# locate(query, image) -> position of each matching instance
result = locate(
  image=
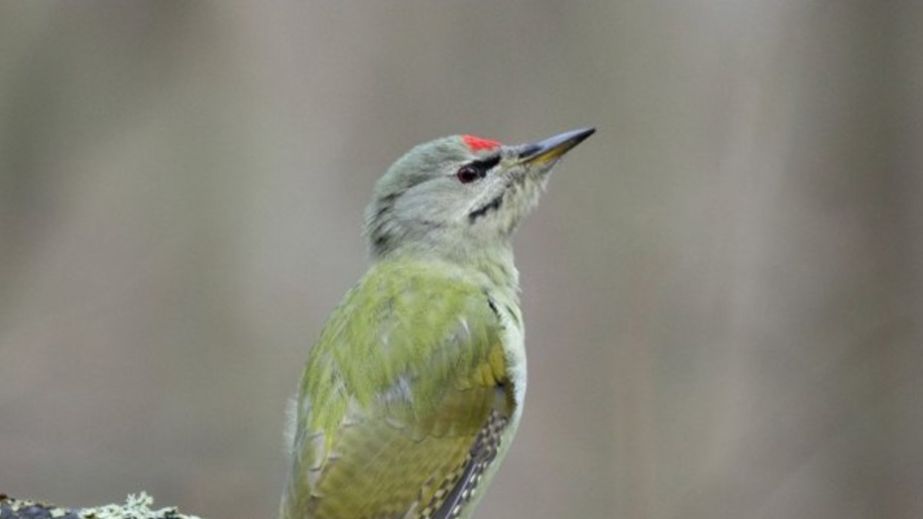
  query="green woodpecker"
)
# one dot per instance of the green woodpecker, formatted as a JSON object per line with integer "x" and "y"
{"x": 412, "y": 395}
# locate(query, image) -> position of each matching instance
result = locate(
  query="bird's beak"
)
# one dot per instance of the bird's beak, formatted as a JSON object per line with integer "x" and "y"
{"x": 551, "y": 149}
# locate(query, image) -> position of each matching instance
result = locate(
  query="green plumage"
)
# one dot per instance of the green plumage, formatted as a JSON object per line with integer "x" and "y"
{"x": 392, "y": 433}
{"x": 412, "y": 395}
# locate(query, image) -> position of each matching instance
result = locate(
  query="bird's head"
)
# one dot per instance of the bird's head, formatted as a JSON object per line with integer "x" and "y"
{"x": 460, "y": 193}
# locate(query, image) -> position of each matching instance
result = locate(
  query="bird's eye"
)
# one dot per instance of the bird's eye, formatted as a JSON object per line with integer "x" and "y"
{"x": 468, "y": 174}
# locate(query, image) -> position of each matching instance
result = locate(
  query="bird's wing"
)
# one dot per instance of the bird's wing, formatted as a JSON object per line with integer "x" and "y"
{"x": 408, "y": 395}
{"x": 482, "y": 454}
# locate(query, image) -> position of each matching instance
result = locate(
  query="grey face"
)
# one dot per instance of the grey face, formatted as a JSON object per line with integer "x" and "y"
{"x": 459, "y": 192}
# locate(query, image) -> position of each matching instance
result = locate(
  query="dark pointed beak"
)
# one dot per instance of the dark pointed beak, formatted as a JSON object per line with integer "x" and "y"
{"x": 553, "y": 148}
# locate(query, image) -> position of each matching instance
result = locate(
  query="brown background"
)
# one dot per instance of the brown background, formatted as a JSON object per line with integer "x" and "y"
{"x": 722, "y": 288}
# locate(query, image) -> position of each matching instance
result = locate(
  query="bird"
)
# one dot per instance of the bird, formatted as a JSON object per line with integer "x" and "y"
{"x": 412, "y": 394}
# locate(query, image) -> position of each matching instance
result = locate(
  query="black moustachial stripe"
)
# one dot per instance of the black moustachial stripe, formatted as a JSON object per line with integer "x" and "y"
{"x": 483, "y": 166}
{"x": 493, "y": 205}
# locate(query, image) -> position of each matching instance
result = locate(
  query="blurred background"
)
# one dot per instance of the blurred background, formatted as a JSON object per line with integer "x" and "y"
{"x": 722, "y": 288}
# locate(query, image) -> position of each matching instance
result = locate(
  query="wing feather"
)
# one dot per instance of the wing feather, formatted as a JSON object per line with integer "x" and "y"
{"x": 408, "y": 390}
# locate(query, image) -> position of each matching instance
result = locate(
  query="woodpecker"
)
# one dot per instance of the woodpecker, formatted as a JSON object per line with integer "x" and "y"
{"x": 412, "y": 395}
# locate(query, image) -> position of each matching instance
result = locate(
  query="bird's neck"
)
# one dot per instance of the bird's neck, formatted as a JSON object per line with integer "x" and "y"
{"x": 493, "y": 264}
{"x": 498, "y": 267}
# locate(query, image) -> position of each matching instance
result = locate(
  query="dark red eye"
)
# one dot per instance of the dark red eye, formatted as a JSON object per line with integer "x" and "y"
{"x": 468, "y": 174}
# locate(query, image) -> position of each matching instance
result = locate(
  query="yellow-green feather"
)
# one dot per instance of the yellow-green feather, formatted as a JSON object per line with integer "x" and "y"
{"x": 405, "y": 374}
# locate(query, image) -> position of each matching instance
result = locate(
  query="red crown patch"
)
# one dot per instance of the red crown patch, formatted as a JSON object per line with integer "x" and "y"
{"x": 479, "y": 143}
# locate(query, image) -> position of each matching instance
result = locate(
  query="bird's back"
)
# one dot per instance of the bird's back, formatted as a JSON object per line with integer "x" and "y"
{"x": 410, "y": 397}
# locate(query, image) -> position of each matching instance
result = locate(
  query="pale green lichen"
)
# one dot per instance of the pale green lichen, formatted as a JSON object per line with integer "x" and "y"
{"x": 135, "y": 507}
